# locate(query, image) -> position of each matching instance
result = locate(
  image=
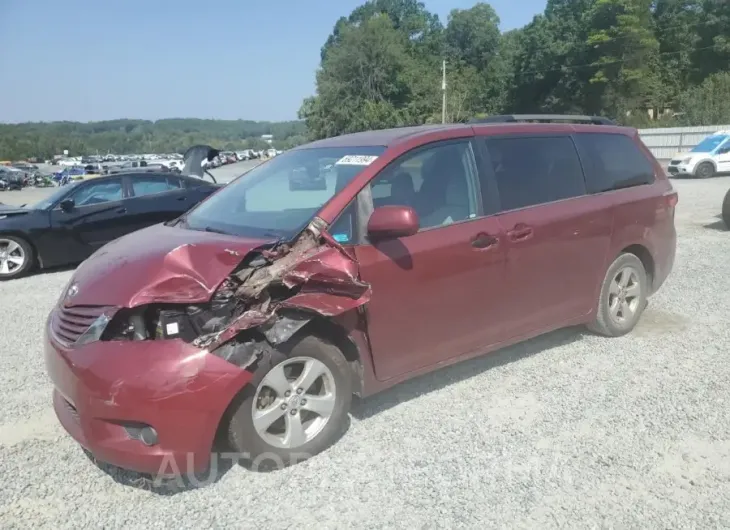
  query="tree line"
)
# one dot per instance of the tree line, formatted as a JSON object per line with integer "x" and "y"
{"x": 44, "y": 140}
{"x": 642, "y": 62}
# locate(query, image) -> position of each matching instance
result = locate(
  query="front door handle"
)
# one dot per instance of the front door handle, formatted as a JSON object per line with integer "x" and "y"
{"x": 182, "y": 198}
{"x": 520, "y": 232}
{"x": 122, "y": 210}
{"x": 484, "y": 240}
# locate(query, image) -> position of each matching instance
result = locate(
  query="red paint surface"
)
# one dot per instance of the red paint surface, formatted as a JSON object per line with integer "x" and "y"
{"x": 178, "y": 389}
{"x": 393, "y": 221}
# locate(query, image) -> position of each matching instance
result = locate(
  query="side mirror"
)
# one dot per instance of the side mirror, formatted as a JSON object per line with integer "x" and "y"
{"x": 67, "y": 205}
{"x": 392, "y": 222}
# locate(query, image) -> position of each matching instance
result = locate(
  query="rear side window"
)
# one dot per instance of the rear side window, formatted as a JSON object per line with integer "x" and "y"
{"x": 535, "y": 170}
{"x": 612, "y": 162}
{"x": 150, "y": 185}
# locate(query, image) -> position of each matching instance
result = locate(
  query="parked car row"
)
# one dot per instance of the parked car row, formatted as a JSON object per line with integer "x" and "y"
{"x": 229, "y": 157}
{"x": 15, "y": 178}
{"x": 344, "y": 267}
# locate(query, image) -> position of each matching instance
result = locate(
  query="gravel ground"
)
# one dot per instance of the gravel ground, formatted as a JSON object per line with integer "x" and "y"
{"x": 566, "y": 430}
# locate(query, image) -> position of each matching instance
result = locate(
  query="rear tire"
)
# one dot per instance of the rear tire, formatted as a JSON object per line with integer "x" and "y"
{"x": 623, "y": 297}
{"x": 16, "y": 257}
{"x": 726, "y": 210}
{"x": 298, "y": 432}
{"x": 705, "y": 170}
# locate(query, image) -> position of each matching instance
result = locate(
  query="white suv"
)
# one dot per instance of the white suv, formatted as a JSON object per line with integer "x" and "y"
{"x": 710, "y": 156}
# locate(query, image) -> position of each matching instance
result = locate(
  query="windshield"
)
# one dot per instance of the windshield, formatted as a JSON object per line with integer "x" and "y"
{"x": 709, "y": 144}
{"x": 280, "y": 197}
{"x": 53, "y": 197}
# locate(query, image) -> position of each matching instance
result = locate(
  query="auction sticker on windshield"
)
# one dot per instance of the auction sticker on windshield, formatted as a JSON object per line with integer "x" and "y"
{"x": 356, "y": 160}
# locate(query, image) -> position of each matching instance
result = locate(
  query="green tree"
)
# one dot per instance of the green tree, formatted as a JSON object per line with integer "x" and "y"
{"x": 713, "y": 47}
{"x": 676, "y": 25}
{"x": 471, "y": 46}
{"x": 421, "y": 28}
{"x": 362, "y": 82}
{"x": 708, "y": 103}
{"x": 472, "y": 35}
{"x": 624, "y": 51}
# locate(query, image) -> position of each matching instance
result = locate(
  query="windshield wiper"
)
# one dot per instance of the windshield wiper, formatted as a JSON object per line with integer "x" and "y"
{"x": 175, "y": 222}
{"x": 278, "y": 235}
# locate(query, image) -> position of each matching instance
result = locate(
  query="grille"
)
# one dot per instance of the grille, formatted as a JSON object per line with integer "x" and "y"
{"x": 69, "y": 323}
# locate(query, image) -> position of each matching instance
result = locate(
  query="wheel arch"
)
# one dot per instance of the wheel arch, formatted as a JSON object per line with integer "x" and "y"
{"x": 647, "y": 260}
{"x": 336, "y": 334}
{"x": 324, "y": 329}
{"x": 706, "y": 161}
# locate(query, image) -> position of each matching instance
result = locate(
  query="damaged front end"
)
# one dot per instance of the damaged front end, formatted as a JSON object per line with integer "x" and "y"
{"x": 274, "y": 292}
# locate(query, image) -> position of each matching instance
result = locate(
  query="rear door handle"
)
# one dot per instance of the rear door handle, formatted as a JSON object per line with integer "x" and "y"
{"x": 520, "y": 233}
{"x": 182, "y": 198}
{"x": 122, "y": 210}
{"x": 484, "y": 240}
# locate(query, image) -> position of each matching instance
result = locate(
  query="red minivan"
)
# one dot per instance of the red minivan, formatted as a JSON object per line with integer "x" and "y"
{"x": 345, "y": 266}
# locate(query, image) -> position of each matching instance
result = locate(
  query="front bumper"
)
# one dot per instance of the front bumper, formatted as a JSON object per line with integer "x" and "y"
{"x": 681, "y": 169}
{"x": 103, "y": 388}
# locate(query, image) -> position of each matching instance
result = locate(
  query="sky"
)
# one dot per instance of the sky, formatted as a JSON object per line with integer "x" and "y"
{"x": 89, "y": 60}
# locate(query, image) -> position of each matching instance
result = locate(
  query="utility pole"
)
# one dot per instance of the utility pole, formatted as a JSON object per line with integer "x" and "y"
{"x": 443, "y": 91}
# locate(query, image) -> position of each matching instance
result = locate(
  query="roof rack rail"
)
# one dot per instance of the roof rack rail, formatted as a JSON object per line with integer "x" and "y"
{"x": 544, "y": 118}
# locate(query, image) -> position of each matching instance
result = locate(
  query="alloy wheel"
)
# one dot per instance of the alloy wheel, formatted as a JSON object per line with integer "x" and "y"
{"x": 624, "y": 295}
{"x": 294, "y": 402}
{"x": 12, "y": 257}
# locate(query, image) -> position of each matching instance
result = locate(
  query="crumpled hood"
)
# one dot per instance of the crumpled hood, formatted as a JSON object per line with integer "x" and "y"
{"x": 159, "y": 264}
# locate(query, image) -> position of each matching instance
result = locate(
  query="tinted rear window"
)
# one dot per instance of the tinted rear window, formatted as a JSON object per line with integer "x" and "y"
{"x": 535, "y": 170}
{"x": 613, "y": 161}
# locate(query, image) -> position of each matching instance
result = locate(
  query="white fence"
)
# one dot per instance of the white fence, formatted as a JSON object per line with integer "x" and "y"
{"x": 665, "y": 143}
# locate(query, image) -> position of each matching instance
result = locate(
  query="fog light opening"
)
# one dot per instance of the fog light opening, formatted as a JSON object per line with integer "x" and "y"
{"x": 144, "y": 433}
{"x": 148, "y": 436}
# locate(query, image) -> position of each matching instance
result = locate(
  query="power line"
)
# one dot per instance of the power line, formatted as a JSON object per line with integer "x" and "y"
{"x": 665, "y": 28}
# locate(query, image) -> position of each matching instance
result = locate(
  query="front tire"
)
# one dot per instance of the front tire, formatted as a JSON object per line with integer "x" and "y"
{"x": 705, "y": 170}
{"x": 295, "y": 407}
{"x": 16, "y": 257}
{"x": 623, "y": 297}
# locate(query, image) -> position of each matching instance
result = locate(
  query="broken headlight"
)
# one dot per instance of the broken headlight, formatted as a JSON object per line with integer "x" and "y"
{"x": 95, "y": 330}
